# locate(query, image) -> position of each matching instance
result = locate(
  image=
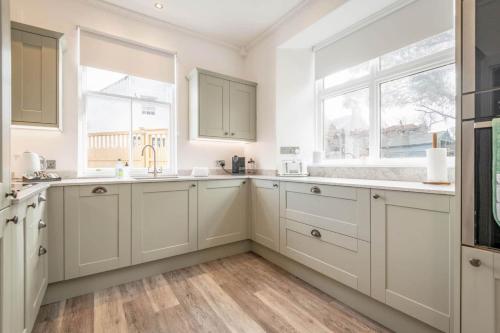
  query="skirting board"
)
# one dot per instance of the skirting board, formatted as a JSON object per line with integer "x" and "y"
{"x": 381, "y": 313}
{"x": 88, "y": 284}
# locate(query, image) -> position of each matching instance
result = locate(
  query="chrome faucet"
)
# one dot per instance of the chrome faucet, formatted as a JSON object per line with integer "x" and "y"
{"x": 155, "y": 171}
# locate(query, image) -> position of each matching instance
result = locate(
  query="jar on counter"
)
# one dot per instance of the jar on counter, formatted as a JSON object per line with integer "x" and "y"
{"x": 251, "y": 167}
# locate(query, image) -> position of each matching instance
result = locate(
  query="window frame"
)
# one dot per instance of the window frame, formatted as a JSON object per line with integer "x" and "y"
{"x": 373, "y": 81}
{"x": 83, "y": 169}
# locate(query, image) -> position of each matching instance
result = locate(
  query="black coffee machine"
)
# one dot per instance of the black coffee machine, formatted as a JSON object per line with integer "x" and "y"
{"x": 238, "y": 165}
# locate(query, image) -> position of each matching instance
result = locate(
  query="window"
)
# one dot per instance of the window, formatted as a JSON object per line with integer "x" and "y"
{"x": 387, "y": 108}
{"x": 123, "y": 114}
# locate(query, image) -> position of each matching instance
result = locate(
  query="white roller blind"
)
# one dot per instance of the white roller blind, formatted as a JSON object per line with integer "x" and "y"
{"x": 416, "y": 21}
{"x": 115, "y": 55}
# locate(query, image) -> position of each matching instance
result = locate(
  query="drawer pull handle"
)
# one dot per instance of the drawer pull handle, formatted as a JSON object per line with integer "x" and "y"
{"x": 14, "y": 220}
{"x": 315, "y": 233}
{"x": 315, "y": 189}
{"x": 226, "y": 133}
{"x": 232, "y": 134}
{"x": 376, "y": 196}
{"x": 244, "y": 182}
{"x": 193, "y": 185}
{"x": 12, "y": 194}
{"x": 99, "y": 190}
{"x": 275, "y": 185}
{"x": 32, "y": 205}
{"x": 475, "y": 262}
{"x": 41, "y": 198}
{"x": 42, "y": 251}
{"x": 41, "y": 225}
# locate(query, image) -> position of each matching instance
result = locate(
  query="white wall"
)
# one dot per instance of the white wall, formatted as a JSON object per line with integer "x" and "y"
{"x": 261, "y": 66}
{"x": 64, "y": 16}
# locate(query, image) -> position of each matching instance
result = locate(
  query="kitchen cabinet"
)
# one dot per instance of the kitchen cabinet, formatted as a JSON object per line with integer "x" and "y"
{"x": 411, "y": 254}
{"x": 265, "y": 213}
{"x": 12, "y": 270}
{"x": 35, "y": 73}
{"x": 480, "y": 291}
{"x": 5, "y": 104}
{"x": 164, "y": 220}
{"x": 222, "y": 212}
{"x": 221, "y": 107}
{"x": 36, "y": 256}
{"x": 344, "y": 210}
{"x": 97, "y": 228}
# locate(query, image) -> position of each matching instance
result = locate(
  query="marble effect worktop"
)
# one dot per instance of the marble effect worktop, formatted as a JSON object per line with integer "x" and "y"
{"x": 364, "y": 183}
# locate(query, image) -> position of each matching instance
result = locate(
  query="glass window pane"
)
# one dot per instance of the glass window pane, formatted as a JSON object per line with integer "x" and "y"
{"x": 346, "y": 125}
{"x": 151, "y": 125}
{"x": 108, "y": 126}
{"x": 415, "y": 106}
{"x": 346, "y": 75}
{"x": 419, "y": 49}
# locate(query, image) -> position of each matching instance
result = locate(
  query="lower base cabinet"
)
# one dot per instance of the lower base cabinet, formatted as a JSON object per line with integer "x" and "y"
{"x": 164, "y": 220}
{"x": 480, "y": 291}
{"x": 340, "y": 257}
{"x": 97, "y": 229}
{"x": 265, "y": 226}
{"x": 11, "y": 271}
{"x": 222, "y": 212}
{"x": 411, "y": 254}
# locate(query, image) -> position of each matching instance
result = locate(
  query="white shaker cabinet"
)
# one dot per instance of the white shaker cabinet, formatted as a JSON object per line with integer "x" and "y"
{"x": 265, "y": 213}
{"x": 97, "y": 228}
{"x": 5, "y": 104}
{"x": 36, "y": 255}
{"x": 480, "y": 291}
{"x": 164, "y": 220}
{"x": 411, "y": 254}
{"x": 222, "y": 212}
{"x": 12, "y": 270}
{"x": 221, "y": 107}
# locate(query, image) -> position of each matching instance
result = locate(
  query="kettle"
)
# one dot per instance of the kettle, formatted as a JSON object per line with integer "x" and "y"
{"x": 32, "y": 163}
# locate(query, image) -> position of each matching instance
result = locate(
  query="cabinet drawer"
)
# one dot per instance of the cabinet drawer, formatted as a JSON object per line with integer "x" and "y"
{"x": 340, "y": 257}
{"x": 343, "y": 210}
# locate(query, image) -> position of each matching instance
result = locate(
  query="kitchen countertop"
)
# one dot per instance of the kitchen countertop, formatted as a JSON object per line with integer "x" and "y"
{"x": 366, "y": 183}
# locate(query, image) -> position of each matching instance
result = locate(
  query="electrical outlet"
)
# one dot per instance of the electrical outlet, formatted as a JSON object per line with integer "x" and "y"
{"x": 220, "y": 163}
{"x": 51, "y": 164}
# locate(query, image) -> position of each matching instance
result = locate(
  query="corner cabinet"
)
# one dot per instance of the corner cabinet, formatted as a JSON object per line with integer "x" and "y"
{"x": 97, "y": 228}
{"x": 222, "y": 212}
{"x": 411, "y": 252}
{"x": 221, "y": 107}
{"x": 35, "y": 76}
{"x": 164, "y": 220}
{"x": 266, "y": 213}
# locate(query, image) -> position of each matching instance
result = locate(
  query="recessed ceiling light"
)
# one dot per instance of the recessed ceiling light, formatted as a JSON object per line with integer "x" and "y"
{"x": 159, "y": 5}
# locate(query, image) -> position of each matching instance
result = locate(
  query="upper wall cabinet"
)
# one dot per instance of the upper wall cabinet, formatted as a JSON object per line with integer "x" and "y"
{"x": 35, "y": 72}
{"x": 221, "y": 107}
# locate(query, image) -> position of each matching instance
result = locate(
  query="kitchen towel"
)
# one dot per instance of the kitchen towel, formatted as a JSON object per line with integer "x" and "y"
{"x": 495, "y": 138}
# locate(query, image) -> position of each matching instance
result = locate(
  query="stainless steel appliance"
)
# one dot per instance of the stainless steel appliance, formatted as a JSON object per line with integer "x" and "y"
{"x": 238, "y": 165}
{"x": 480, "y": 104}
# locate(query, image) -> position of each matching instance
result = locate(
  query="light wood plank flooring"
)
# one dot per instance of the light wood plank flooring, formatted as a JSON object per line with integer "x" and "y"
{"x": 242, "y": 293}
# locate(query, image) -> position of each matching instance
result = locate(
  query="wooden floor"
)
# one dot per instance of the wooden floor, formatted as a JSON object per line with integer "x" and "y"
{"x": 242, "y": 293}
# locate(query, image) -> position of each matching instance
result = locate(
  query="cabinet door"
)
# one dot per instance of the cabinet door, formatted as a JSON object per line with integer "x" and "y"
{"x": 222, "y": 212}
{"x": 5, "y": 102}
{"x": 34, "y": 78}
{"x": 12, "y": 272}
{"x": 411, "y": 254}
{"x": 213, "y": 106}
{"x": 480, "y": 291}
{"x": 266, "y": 209}
{"x": 164, "y": 220}
{"x": 97, "y": 229}
{"x": 242, "y": 111}
{"x": 36, "y": 262}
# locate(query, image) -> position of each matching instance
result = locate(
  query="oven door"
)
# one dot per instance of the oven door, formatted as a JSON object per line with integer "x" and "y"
{"x": 478, "y": 225}
{"x": 481, "y": 49}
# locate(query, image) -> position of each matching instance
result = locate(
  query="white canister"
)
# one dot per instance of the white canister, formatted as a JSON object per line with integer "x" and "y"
{"x": 437, "y": 167}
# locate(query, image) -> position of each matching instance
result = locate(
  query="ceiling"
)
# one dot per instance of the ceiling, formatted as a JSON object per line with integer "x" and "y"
{"x": 238, "y": 23}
